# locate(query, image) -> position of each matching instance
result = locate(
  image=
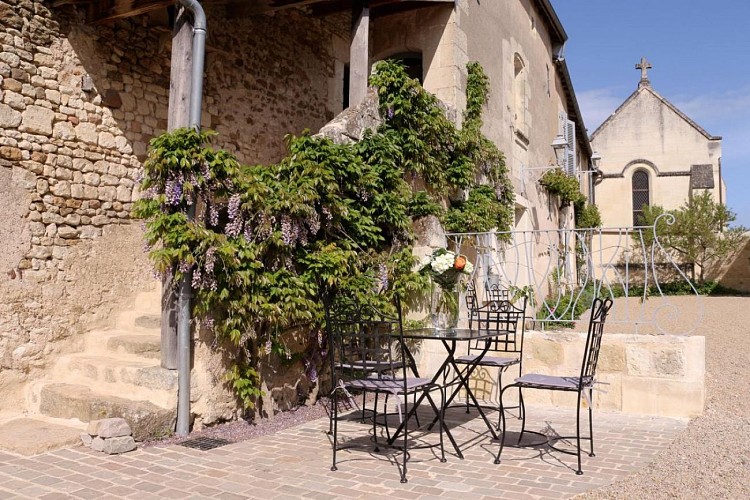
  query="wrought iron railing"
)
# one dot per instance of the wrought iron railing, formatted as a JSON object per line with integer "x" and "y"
{"x": 562, "y": 271}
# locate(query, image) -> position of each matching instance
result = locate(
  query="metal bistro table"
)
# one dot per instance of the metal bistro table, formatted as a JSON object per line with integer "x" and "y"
{"x": 450, "y": 338}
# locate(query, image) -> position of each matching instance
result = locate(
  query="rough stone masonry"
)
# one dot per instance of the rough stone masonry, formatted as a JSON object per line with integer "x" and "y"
{"x": 78, "y": 105}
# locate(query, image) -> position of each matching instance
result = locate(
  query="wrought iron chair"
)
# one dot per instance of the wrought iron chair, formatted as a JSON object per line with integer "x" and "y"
{"x": 583, "y": 384}
{"x": 367, "y": 353}
{"x": 505, "y": 349}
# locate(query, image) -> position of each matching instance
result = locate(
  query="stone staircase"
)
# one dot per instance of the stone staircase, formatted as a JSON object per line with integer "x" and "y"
{"x": 117, "y": 373}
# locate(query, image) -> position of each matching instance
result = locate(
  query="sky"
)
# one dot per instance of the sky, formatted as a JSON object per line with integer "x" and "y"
{"x": 700, "y": 52}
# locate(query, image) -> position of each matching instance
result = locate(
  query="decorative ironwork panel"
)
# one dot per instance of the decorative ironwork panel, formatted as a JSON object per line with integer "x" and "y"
{"x": 562, "y": 271}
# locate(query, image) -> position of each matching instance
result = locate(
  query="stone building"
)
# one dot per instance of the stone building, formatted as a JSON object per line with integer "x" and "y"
{"x": 652, "y": 154}
{"x": 84, "y": 86}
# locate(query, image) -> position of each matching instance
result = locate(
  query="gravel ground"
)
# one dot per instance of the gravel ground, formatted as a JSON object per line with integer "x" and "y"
{"x": 711, "y": 458}
{"x": 243, "y": 430}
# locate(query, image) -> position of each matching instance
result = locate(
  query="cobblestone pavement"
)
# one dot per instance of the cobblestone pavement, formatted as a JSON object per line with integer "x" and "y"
{"x": 295, "y": 463}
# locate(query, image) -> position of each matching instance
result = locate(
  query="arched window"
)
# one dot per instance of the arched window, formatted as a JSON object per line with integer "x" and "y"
{"x": 641, "y": 196}
{"x": 520, "y": 104}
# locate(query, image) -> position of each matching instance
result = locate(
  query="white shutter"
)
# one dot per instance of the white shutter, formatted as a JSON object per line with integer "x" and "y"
{"x": 570, "y": 150}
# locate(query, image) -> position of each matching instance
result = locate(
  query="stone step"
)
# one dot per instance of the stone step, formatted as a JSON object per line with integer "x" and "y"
{"x": 140, "y": 378}
{"x": 33, "y": 435}
{"x": 148, "y": 302}
{"x": 148, "y": 346}
{"x": 126, "y": 344}
{"x": 137, "y": 321}
{"x": 146, "y": 419}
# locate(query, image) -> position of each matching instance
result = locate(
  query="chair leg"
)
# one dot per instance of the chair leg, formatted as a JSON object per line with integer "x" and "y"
{"x": 364, "y": 396}
{"x": 406, "y": 440}
{"x": 416, "y": 415}
{"x": 330, "y": 419}
{"x": 578, "y": 434}
{"x": 523, "y": 413}
{"x": 375, "y": 420}
{"x": 499, "y": 391}
{"x": 591, "y": 421}
{"x": 334, "y": 424}
{"x": 502, "y": 427}
{"x": 385, "y": 416}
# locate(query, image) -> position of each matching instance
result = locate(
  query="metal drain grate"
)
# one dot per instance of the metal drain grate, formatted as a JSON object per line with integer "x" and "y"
{"x": 204, "y": 443}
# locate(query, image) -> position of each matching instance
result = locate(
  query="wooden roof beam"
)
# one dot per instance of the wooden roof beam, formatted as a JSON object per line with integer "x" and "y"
{"x": 106, "y": 11}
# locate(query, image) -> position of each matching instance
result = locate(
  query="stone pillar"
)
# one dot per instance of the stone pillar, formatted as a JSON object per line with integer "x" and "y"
{"x": 359, "y": 53}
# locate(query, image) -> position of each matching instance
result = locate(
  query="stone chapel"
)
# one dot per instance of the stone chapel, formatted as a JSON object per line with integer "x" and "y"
{"x": 652, "y": 154}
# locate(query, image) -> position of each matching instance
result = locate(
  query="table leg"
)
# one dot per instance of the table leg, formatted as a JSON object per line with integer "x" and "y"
{"x": 451, "y": 351}
{"x": 463, "y": 381}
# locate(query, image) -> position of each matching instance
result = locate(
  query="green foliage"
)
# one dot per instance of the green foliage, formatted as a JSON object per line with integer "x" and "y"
{"x": 477, "y": 90}
{"x": 481, "y": 212}
{"x": 415, "y": 120}
{"x": 556, "y": 181}
{"x": 445, "y": 157}
{"x": 700, "y": 233}
{"x": 261, "y": 242}
{"x": 677, "y": 288}
{"x": 586, "y": 215}
{"x": 567, "y": 307}
{"x": 423, "y": 204}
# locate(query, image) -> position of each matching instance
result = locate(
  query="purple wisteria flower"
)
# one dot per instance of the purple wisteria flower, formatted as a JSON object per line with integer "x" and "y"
{"x": 382, "y": 282}
{"x": 196, "y": 283}
{"x": 313, "y": 222}
{"x": 233, "y": 209}
{"x": 389, "y": 114}
{"x": 173, "y": 191}
{"x": 205, "y": 171}
{"x": 213, "y": 215}
{"x": 288, "y": 230}
{"x": 210, "y": 261}
{"x": 247, "y": 233}
{"x": 234, "y": 228}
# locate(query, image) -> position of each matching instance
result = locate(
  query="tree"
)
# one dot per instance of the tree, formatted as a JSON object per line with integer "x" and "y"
{"x": 700, "y": 233}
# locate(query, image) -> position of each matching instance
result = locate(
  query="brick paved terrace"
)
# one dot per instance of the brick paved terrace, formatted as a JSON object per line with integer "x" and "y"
{"x": 295, "y": 463}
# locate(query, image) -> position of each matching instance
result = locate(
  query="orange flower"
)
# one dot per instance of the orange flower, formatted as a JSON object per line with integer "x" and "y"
{"x": 459, "y": 263}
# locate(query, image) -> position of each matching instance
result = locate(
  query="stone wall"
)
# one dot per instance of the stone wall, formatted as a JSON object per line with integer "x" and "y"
{"x": 78, "y": 105}
{"x": 733, "y": 272}
{"x": 74, "y": 110}
{"x": 644, "y": 374}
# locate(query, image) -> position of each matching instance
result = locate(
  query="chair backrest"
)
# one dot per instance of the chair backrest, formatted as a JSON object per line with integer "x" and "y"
{"x": 504, "y": 317}
{"x": 496, "y": 291}
{"x": 472, "y": 302}
{"x": 599, "y": 311}
{"x": 362, "y": 341}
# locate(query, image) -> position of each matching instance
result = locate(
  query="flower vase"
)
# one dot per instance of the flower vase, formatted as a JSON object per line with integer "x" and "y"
{"x": 444, "y": 307}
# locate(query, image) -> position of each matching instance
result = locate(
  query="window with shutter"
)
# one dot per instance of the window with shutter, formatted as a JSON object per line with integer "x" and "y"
{"x": 570, "y": 150}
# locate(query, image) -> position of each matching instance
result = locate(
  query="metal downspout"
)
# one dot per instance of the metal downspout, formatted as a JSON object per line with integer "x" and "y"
{"x": 184, "y": 340}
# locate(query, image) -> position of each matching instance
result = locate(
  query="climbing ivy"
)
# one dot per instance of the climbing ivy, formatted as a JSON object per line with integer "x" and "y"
{"x": 266, "y": 239}
{"x": 557, "y": 182}
{"x": 587, "y": 215}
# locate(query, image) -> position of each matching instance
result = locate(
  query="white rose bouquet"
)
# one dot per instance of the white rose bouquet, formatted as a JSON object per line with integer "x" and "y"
{"x": 445, "y": 268}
